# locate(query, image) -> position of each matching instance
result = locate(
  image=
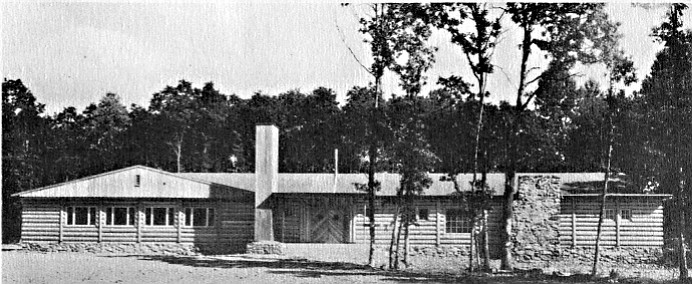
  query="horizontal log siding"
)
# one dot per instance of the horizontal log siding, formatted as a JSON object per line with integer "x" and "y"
{"x": 237, "y": 223}
{"x": 644, "y": 229}
{"x": 233, "y": 224}
{"x": 425, "y": 233}
{"x": 40, "y": 222}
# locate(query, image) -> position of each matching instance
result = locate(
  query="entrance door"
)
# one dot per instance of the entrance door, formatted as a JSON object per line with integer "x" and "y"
{"x": 327, "y": 225}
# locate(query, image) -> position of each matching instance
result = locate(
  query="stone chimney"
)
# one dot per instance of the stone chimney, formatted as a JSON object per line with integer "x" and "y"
{"x": 266, "y": 178}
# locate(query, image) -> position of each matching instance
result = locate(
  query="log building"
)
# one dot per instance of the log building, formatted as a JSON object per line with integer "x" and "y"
{"x": 144, "y": 205}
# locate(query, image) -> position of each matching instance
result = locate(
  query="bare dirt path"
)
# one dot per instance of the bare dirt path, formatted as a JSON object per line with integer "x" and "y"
{"x": 32, "y": 267}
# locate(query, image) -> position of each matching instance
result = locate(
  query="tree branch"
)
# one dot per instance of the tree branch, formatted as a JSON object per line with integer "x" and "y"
{"x": 533, "y": 80}
{"x": 343, "y": 39}
{"x": 506, "y": 76}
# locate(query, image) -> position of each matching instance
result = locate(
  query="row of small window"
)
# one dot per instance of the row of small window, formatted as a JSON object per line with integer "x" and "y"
{"x": 456, "y": 221}
{"x": 153, "y": 216}
{"x": 625, "y": 214}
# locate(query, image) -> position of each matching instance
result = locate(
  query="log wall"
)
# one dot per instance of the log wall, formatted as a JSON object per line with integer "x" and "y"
{"x": 426, "y": 232}
{"x": 579, "y": 222}
{"x": 46, "y": 221}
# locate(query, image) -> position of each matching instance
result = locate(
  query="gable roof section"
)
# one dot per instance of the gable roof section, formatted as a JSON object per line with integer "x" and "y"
{"x": 161, "y": 184}
{"x": 326, "y": 183}
{"x": 245, "y": 181}
{"x": 122, "y": 184}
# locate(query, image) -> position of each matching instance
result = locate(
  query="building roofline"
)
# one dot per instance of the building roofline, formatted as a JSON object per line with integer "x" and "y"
{"x": 19, "y": 194}
{"x": 617, "y": 195}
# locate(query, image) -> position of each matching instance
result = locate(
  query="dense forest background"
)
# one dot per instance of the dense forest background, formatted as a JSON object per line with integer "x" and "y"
{"x": 556, "y": 125}
{"x": 189, "y": 129}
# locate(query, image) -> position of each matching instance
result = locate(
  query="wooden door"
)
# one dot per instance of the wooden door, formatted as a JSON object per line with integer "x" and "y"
{"x": 328, "y": 225}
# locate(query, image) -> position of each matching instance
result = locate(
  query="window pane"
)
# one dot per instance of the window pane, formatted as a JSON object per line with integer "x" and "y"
{"x": 171, "y": 216}
{"x": 200, "y": 217}
{"x": 188, "y": 216}
{"x": 610, "y": 214}
{"x": 626, "y": 214}
{"x": 81, "y": 216}
{"x": 120, "y": 216}
{"x": 147, "y": 216}
{"x": 131, "y": 218}
{"x": 423, "y": 214}
{"x": 457, "y": 222}
{"x": 109, "y": 216}
{"x": 70, "y": 217}
{"x": 211, "y": 217}
{"x": 92, "y": 215}
{"x": 159, "y": 216}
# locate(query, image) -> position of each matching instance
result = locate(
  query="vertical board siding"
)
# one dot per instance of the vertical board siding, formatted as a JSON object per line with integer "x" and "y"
{"x": 644, "y": 229}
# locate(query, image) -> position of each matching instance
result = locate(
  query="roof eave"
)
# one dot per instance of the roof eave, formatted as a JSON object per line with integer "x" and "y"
{"x": 617, "y": 195}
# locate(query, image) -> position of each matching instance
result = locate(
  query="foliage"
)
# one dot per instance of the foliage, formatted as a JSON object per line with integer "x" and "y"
{"x": 23, "y": 133}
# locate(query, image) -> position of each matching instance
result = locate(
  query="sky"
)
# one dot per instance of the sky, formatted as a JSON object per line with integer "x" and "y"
{"x": 72, "y": 54}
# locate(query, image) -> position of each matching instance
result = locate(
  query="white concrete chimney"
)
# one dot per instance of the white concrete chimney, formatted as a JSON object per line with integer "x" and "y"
{"x": 266, "y": 178}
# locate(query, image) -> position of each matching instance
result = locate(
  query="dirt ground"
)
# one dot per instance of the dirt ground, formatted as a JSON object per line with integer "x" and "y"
{"x": 33, "y": 267}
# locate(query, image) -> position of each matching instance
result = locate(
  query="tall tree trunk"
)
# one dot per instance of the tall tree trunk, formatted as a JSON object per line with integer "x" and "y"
{"x": 372, "y": 153}
{"x": 371, "y": 201}
{"x": 511, "y": 171}
{"x": 398, "y": 242}
{"x": 682, "y": 248}
{"x": 178, "y": 149}
{"x": 179, "y": 157}
{"x": 486, "y": 247}
{"x": 684, "y": 271}
{"x": 594, "y": 269}
{"x": 508, "y": 211}
{"x": 472, "y": 244}
{"x": 393, "y": 240}
{"x": 407, "y": 225}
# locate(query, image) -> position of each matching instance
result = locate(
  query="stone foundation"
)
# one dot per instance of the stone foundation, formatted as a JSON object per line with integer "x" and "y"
{"x": 529, "y": 254}
{"x": 622, "y": 255}
{"x": 441, "y": 251}
{"x": 118, "y": 248}
{"x": 266, "y": 248}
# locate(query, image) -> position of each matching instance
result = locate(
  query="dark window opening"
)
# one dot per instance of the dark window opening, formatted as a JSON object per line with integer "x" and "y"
{"x": 160, "y": 216}
{"x": 81, "y": 215}
{"x": 120, "y": 216}
{"x": 457, "y": 222}
{"x": 626, "y": 214}
{"x": 423, "y": 214}
{"x": 609, "y": 214}
{"x": 199, "y": 217}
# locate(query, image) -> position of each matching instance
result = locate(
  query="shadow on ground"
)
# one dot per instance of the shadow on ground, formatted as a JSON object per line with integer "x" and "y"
{"x": 304, "y": 268}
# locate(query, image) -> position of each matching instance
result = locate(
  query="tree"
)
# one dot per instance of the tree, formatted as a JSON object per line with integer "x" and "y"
{"x": 174, "y": 109}
{"x": 412, "y": 158}
{"x": 394, "y": 31}
{"x": 478, "y": 47}
{"x": 67, "y": 146}
{"x": 23, "y": 133}
{"x": 666, "y": 100}
{"x": 104, "y": 124}
{"x": 567, "y": 33}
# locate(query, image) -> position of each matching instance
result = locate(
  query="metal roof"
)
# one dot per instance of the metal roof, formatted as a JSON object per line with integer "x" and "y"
{"x": 122, "y": 183}
{"x": 161, "y": 184}
{"x": 325, "y": 183}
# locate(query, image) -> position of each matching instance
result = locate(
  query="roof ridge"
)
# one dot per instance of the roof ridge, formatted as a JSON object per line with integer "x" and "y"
{"x": 159, "y": 171}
